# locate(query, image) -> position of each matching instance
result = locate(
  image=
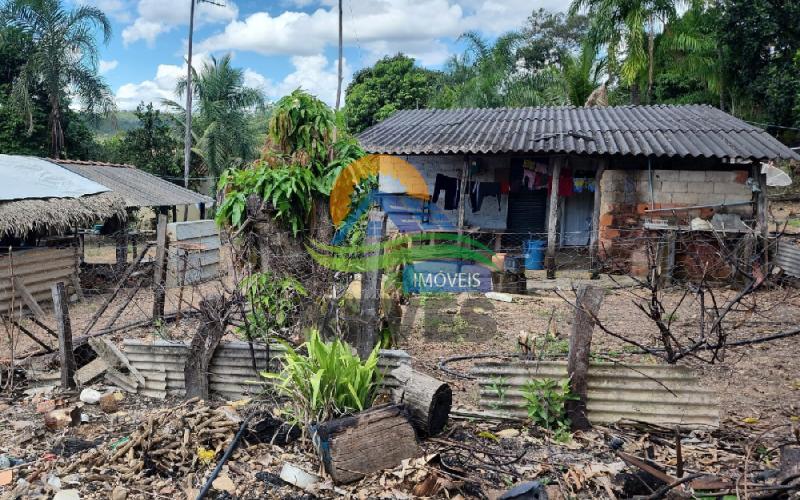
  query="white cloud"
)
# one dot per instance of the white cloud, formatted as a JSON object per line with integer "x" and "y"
{"x": 314, "y": 74}
{"x": 104, "y": 67}
{"x": 159, "y": 16}
{"x": 162, "y": 86}
{"x": 118, "y": 10}
{"x": 386, "y": 26}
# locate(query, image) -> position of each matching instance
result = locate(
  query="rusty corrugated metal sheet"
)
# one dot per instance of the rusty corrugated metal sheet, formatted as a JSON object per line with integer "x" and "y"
{"x": 137, "y": 187}
{"x": 231, "y": 372}
{"x": 656, "y": 131}
{"x": 658, "y": 394}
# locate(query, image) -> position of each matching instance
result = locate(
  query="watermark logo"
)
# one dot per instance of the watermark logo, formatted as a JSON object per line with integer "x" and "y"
{"x": 427, "y": 246}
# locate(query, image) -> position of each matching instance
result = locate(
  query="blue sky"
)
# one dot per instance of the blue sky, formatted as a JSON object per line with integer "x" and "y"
{"x": 285, "y": 44}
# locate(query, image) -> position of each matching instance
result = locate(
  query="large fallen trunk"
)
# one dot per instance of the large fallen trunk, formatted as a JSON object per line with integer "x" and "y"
{"x": 427, "y": 399}
{"x": 375, "y": 439}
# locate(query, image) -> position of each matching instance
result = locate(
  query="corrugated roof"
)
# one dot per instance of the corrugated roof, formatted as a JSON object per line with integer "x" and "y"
{"x": 658, "y": 131}
{"x": 137, "y": 187}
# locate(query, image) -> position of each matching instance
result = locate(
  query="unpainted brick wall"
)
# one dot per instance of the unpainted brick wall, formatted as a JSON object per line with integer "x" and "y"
{"x": 626, "y": 194}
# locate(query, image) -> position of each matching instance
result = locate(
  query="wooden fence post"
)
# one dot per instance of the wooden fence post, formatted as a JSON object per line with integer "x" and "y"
{"x": 588, "y": 300}
{"x": 552, "y": 219}
{"x": 159, "y": 273}
{"x": 371, "y": 287}
{"x": 64, "y": 335}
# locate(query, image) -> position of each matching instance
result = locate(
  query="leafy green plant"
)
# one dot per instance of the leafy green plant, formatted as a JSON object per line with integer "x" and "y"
{"x": 286, "y": 189}
{"x": 273, "y": 299}
{"x": 326, "y": 382}
{"x": 546, "y": 401}
{"x": 499, "y": 386}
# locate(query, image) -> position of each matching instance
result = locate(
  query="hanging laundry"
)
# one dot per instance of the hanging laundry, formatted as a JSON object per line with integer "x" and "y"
{"x": 528, "y": 179}
{"x": 540, "y": 168}
{"x": 579, "y": 184}
{"x": 502, "y": 175}
{"x": 450, "y": 186}
{"x": 591, "y": 185}
{"x": 564, "y": 183}
{"x": 480, "y": 190}
{"x": 541, "y": 181}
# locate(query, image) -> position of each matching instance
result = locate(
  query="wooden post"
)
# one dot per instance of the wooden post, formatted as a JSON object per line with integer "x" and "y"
{"x": 552, "y": 220}
{"x": 371, "y": 287}
{"x": 462, "y": 194}
{"x": 762, "y": 211}
{"x": 159, "y": 272}
{"x": 588, "y": 300}
{"x": 594, "y": 243}
{"x": 122, "y": 248}
{"x": 64, "y": 335}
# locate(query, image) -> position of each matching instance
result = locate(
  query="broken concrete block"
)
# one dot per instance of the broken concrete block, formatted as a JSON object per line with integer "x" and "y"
{"x": 119, "y": 368}
{"x": 91, "y": 371}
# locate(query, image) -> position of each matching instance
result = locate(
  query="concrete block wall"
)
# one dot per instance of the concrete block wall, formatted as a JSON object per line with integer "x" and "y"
{"x": 626, "y": 194}
{"x": 489, "y": 216}
{"x": 199, "y": 259}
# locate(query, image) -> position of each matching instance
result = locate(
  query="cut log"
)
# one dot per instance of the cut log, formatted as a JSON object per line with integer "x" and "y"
{"x": 375, "y": 439}
{"x": 427, "y": 399}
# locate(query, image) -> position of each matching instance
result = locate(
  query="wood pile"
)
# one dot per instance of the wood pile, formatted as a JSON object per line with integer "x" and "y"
{"x": 166, "y": 444}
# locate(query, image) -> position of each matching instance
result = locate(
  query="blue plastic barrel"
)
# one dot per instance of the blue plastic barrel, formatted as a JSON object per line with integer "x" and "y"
{"x": 534, "y": 254}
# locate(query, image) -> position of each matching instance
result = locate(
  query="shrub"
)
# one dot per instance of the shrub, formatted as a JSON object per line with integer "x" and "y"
{"x": 274, "y": 300}
{"x": 546, "y": 400}
{"x": 327, "y": 382}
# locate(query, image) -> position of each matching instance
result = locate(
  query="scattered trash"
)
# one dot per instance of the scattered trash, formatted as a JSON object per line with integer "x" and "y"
{"x": 110, "y": 403}
{"x": 90, "y": 396}
{"x": 298, "y": 477}
{"x": 67, "y": 495}
{"x": 61, "y": 418}
{"x": 224, "y": 483}
{"x": 529, "y": 490}
{"x": 499, "y": 296}
{"x": 6, "y": 477}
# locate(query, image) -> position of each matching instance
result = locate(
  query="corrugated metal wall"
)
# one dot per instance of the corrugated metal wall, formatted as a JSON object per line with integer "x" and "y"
{"x": 38, "y": 268}
{"x": 200, "y": 264}
{"x": 231, "y": 371}
{"x": 788, "y": 256}
{"x": 658, "y": 394}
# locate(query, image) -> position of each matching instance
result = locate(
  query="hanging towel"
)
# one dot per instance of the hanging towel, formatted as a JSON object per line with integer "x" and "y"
{"x": 450, "y": 186}
{"x": 480, "y": 190}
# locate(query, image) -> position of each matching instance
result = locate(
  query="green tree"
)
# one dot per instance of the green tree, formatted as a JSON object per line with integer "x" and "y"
{"x": 62, "y": 61}
{"x": 152, "y": 146}
{"x": 393, "y": 83}
{"x": 490, "y": 75}
{"x": 221, "y": 121}
{"x": 759, "y": 40}
{"x": 628, "y": 29}
{"x": 551, "y": 37}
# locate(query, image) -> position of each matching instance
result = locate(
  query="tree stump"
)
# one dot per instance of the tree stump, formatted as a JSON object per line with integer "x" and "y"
{"x": 204, "y": 343}
{"x": 427, "y": 399}
{"x": 375, "y": 439}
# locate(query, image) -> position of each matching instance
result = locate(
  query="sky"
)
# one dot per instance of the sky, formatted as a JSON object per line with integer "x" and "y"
{"x": 286, "y": 44}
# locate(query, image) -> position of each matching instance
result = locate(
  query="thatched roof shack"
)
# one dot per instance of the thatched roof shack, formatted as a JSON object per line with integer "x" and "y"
{"x": 37, "y": 196}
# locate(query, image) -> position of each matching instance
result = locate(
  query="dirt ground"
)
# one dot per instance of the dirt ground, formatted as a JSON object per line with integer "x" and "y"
{"x": 758, "y": 388}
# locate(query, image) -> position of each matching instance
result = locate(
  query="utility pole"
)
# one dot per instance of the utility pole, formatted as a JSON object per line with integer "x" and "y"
{"x": 187, "y": 140}
{"x": 339, "y": 85}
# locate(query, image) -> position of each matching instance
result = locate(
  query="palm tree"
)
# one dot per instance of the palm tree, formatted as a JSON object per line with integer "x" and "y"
{"x": 581, "y": 73}
{"x": 62, "y": 63}
{"x": 221, "y": 125}
{"x": 494, "y": 75}
{"x": 623, "y": 26}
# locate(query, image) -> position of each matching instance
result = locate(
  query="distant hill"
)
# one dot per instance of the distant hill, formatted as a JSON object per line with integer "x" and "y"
{"x": 105, "y": 127}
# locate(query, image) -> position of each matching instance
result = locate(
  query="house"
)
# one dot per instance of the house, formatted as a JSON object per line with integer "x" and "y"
{"x": 41, "y": 205}
{"x": 592, "y": 184}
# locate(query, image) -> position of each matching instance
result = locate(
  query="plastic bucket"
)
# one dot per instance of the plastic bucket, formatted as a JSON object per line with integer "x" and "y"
{"x": 534, "y": 254}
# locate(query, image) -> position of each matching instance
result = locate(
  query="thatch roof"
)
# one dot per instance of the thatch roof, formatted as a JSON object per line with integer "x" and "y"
{"x": 52, "y": 215}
